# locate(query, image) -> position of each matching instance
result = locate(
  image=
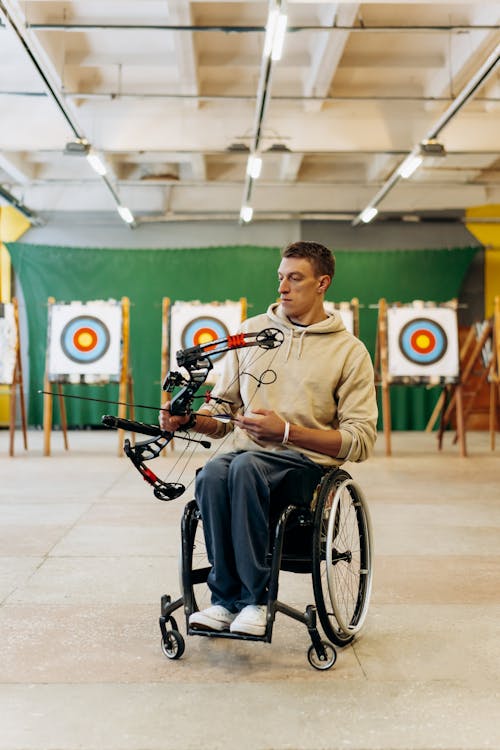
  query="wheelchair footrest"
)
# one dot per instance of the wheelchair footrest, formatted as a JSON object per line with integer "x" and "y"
{"x": 227, "y": 634}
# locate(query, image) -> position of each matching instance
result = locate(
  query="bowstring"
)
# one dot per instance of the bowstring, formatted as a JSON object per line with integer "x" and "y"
{"x": 252, "y": 357}
{"x": 254, "y": 352}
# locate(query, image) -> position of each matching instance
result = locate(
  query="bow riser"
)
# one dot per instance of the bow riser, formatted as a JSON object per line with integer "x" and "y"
{"x": 196, "y": 361}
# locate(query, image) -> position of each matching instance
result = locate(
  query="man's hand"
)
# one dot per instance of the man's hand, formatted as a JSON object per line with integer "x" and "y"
{"x": 168, "y": 422}
{"x": 262, "y": 425}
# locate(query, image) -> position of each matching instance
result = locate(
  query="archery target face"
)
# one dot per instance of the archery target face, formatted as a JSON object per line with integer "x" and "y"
{"x": 194, "y": 324}
{"x": 85, "y": 339}
{"x": 203, "y": 330}
{"x": 345, "y": 312}
{"x": 8, "y": 343}
{"x": 423, "y": 342}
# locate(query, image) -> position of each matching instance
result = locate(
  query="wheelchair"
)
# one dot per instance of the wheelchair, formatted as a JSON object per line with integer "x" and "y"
{"x": 331, "y": 540}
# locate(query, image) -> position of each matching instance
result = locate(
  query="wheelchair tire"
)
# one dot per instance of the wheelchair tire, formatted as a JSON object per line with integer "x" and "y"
{"x": 322, "y": 664}
{"x": 341, "y": 557}
{"x": 174, "y": 646}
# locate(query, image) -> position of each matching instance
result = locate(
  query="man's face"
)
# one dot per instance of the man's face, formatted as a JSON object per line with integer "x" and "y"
{"x": 299, "y": 288}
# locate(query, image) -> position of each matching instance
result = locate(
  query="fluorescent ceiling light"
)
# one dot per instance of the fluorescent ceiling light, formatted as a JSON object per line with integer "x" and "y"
{"x": 126, "y": 214}
{"x": 368, "y": 214}
{"x": 96, "y": 163}
{"x": 275, "y": 34}
{"x": 409, "y": 166}
{"x": 254, "y": 166}
{"x": 270, "y": 31}
{"x": 246, "y": 213}
{"x": 279, "y": 37}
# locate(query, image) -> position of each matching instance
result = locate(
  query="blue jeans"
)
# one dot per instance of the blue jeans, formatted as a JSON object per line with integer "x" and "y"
{"x": 235, "y": 492}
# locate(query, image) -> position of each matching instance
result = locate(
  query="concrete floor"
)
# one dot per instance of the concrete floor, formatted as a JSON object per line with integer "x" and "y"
{"x": 86, "y": 552}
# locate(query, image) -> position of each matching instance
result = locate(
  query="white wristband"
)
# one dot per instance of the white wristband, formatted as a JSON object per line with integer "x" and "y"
{"x": 286, "y": 433}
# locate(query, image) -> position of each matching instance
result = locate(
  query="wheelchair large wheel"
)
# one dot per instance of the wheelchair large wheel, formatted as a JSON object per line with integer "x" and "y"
{"x": 194, "y": 565}
{"x": 342, "y": 557}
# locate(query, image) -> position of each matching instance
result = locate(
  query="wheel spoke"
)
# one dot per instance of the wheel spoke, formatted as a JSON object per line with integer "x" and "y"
{"x": 342, "y": 562}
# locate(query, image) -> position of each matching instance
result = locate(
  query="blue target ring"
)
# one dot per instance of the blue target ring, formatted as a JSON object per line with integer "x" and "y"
{"x": 203, "y": 330}
{"x": 85, "y": 339}
{"x": 423, "y": 341}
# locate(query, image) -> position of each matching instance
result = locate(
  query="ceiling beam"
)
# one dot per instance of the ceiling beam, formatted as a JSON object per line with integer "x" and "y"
{"x": 17, "y": 167}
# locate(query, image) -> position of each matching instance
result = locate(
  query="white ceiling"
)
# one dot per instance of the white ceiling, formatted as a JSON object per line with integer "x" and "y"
{"x": 170, "y": 94}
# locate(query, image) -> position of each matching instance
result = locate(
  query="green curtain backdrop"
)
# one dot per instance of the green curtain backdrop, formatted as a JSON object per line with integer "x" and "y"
{"x": 206, "y": 274}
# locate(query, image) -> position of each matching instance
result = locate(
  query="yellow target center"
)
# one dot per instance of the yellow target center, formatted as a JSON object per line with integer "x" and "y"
{"x": 423, "y": 341}
{"x": 85, "y": 340}
{"x": 205, "y": 338}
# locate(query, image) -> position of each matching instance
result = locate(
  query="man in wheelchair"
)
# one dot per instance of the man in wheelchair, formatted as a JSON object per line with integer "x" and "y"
{"x": 298, "y": 410}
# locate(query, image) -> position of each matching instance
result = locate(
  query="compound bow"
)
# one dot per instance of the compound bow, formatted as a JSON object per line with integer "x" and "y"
{"x": 196, "y": 361}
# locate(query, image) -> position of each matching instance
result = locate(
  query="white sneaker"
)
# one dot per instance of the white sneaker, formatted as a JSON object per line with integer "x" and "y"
{"x": 213, "y": 618}
{"x": 252, "y": 620}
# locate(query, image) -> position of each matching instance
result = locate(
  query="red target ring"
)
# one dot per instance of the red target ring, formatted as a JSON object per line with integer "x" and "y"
{"x": 423, "y": 341}
{"x": 204, "y": 336}
{"x": 84, "y": 339}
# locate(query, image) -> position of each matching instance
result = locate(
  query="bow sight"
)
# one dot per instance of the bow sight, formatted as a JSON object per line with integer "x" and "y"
{"x": 196, "y": 360}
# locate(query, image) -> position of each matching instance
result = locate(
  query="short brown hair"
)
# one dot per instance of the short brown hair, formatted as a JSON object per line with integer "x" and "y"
{"x": 321, "y": 258}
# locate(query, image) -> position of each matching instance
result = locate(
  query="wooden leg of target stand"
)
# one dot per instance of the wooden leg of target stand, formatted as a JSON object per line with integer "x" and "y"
{"x": 494, "y": 390}
{"x": 24, "y": 423}
{"x": 47, "y": 419}
{"x": 386, "y": 417}
{"x": 62, "y": 410}
{"x": 12, "y": 419}
{"x": 442, "y": 423}
{"x": 460, "y": 421}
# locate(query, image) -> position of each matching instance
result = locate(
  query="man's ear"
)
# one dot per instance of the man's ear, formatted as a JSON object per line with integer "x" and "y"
{"x": 324, "y": 283}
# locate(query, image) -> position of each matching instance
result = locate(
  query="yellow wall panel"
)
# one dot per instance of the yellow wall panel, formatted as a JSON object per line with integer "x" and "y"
{"x": 488, "y": 233}
{"x": 12, "y": 226}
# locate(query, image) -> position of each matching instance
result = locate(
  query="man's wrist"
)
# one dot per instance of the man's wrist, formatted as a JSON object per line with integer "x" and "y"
{"x": 191, "y": 422}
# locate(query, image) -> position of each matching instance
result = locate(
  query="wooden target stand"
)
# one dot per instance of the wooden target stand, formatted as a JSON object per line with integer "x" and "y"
{"x": 15, "y": 386}
{"x": 353, "y": 306}
{"x": 355, "y": 316}
{"x": 384, "y": 380}
{"x": 473, "y": 363}
{"x": 125, "y": 388}
{"x": 165, "y": 346}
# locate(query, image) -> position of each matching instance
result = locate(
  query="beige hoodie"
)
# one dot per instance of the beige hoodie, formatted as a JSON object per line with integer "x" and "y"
{"x": 320, "y": 377}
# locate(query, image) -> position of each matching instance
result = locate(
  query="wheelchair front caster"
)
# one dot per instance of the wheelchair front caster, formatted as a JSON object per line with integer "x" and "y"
{"x": 173, "y": 645}
{"x": 324, "y": 660}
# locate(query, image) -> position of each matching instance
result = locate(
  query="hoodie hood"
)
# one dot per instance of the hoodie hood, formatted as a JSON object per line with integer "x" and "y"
{"x": 332, "y": 324}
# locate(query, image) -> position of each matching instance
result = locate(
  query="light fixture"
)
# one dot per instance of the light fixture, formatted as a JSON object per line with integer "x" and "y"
{"x": 254, "y": 166}
{"x": 246, "y": 213}
{"x": 270, "y": 31}
{"x": 276, "y": 27}
{"x": 429, "y": 145}
{"x": 368, "y": 214}
{"x": 96, "y": 163}
{"x": 432, "y": 147}
{"x": 275, "y": 34}
{"x": 279, "y": 37}
{"x": 78, "y": 147}
{"x": 409, "y": 165}
{"x": 126, "y": 214}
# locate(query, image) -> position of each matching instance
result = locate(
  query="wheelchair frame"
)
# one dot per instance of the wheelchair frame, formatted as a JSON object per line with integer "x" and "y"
{"x": 337, "y": 531}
